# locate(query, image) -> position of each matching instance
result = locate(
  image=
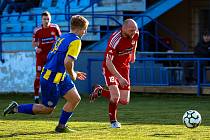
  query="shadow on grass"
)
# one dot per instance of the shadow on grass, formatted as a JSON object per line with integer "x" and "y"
{"x": 143, "y": 109}
{"x": 26, "y": 133}
{"x": 166, "y": 135}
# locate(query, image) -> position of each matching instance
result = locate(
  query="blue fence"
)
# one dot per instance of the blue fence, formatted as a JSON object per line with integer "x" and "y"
{"x": 150, "y": 71}
{"x": 109, "y": 18}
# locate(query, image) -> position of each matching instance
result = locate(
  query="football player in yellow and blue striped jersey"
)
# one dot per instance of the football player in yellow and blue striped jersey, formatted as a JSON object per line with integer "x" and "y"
{"x": 58, "y": 75}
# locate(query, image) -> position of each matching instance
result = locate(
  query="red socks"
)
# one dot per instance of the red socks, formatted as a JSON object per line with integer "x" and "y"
{"x": 112, "y": 111}
{"x": 36, "y": 86}
{"x": 112, "y": 105}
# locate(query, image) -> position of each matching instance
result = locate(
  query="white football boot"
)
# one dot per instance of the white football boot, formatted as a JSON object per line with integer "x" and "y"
{"x": 115, "y": 125}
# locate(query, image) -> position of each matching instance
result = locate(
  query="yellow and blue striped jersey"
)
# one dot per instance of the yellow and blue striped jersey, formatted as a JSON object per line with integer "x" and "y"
{"x": 67, "y": 44}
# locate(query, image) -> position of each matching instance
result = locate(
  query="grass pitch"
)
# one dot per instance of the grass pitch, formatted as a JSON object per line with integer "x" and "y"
{"x": 150, "y": 116}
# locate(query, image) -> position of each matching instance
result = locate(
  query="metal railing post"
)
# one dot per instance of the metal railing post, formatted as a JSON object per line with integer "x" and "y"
{"x": 198, "y": 79}
{"x": 2, "y": 60}
{"x": 36, "y": 20}
{"x": 142, "y": 34}
{"x": 93, "y": 20}
{"x": 107, "y": 27}
{"x": 156, "y": 39}
{"x": 116, "y": 7}
{"x": 89, "y": 75}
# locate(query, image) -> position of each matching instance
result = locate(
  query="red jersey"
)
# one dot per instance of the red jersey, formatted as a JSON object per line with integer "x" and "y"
{"x": 119, "y": 50}
{"x": 46, "y": 36}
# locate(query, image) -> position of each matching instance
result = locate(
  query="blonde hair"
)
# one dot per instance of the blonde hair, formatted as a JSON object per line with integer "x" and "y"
{"x": 78, "y": 22}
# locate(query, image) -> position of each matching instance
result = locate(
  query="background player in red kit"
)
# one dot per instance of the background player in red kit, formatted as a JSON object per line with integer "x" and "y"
{"x": 43, "y": 38}
{"x": 116, "y": 68}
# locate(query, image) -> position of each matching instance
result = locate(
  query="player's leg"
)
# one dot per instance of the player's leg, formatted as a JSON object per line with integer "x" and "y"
{"x": 113, "y": 104}
{"x": 72, "y": 97}
{"x": 39, "y": 65}
{"x": 124, "y": 97}
{"x": 36, "y": 87}
{"x": 49, "y": 100}
{"x": 32, "y": 109}
{"x": 99, "y": 91}
{"x": 125, "y": 91}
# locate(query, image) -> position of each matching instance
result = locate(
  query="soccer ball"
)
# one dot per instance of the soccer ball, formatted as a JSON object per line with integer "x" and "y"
{"x": 192, "y": 119}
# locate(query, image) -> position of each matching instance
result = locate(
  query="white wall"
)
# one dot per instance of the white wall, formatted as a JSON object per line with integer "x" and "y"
{"x": 18, "y": 72}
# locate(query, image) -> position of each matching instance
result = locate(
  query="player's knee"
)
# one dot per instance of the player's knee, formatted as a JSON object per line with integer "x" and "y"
{"x": 124, "y": 101}
{"x": 42, "y": 109}
{"x": 38, "y": 75}
{"x": 78, "y": 99}
{"x": 49, "y": 110}
{"x": 114, "y": 100}
{"x": 36, "y": 81}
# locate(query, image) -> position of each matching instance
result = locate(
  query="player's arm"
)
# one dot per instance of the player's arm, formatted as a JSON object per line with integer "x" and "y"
{"x": 58, "y": 31}
{"x": 133, "y": 55}
{"x": 35, "y": 38}
{"x": 35, "y": 42}
{"x": 71, "y": 56}
{"x": 69, "y": 65}
{"x": 113, "y": 70}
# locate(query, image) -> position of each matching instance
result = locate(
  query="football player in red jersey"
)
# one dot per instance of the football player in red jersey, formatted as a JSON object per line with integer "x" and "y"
{"x": 119, "y": 53}
{"x": 43, "y": 38}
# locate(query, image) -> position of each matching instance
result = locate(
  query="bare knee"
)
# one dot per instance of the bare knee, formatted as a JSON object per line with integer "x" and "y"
{"x": 49, "y": 110}
{"x": 41, "y": 109}
{"x": 75, "y": 100}
{"x": 78, "y": 99}
{"x": 46, "y": 110}
{"x": 114, "y": 100}
{"x": 124, "y": 102}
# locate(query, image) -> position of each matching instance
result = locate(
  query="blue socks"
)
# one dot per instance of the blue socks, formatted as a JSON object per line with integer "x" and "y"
{"x": 26, "y": 109}
{"x": 64, "y": 117}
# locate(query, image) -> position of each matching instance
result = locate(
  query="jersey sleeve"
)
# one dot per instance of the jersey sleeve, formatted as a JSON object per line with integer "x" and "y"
{"x": 74, "y": 49}
{"x": 111, "y": 52}
{"x": 58, "y": 33}
{"x": 35, "y": 36}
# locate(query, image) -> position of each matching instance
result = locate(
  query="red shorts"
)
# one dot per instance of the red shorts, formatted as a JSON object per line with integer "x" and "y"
{"x": 110, "y": 79}
{"x": 41, "y": 59}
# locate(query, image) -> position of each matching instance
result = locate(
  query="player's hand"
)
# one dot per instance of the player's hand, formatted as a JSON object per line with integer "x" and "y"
{"x": 133, "y": 58}
{"x": 123, "y": 82}
{"x": 38, "y": 50}
{"x": 81, "y": 75}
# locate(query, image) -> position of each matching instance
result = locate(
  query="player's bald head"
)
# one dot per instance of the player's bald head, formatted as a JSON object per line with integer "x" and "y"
{"x": 130, "y": 23}
{"x": 129, "y": 28}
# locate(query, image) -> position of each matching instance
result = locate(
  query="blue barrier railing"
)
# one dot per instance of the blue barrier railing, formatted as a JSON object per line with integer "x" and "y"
{"x": 198, "y": 61}
{"x": 1, "y": 57}
{"x": 159, "y": 26}
{"x": 109, "y": 18}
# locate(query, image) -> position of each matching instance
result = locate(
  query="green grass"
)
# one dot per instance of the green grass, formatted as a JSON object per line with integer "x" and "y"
{"x": 149, "y": 116}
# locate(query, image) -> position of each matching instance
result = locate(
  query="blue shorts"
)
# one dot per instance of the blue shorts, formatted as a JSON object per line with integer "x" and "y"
{"x": 51, "y": 91}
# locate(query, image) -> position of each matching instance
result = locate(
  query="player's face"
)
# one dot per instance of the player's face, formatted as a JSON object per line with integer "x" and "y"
{"x": 82, "y": 32}
{"x": 45, "y": 21}
{"x": 130, "y": 32}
